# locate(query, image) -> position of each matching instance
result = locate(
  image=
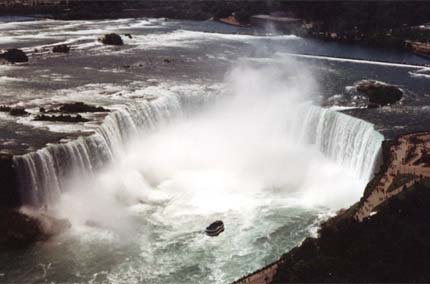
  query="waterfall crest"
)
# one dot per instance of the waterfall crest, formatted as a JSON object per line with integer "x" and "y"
{"x": 42, "y": 174}
{"x": 347, "y": 140}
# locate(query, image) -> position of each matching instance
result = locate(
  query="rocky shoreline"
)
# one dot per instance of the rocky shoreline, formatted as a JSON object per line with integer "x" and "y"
{"x": 368, "y": 241}
{"x": 387, "y": 24}
{"x": 299, "y": 263}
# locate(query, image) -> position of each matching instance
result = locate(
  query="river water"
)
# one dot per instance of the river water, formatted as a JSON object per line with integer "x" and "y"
{"x": 256, "y": 154}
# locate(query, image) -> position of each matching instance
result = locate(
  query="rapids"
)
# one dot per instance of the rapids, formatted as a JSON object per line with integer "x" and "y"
{"x": 231, "y": 127}
{"x": 257, "y": 155}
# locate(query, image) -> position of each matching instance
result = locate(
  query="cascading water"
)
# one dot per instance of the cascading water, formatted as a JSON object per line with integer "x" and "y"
{"x": 254, "y": 157}
{"x": 349, "y": 141}
{"x": 42, "y": 174}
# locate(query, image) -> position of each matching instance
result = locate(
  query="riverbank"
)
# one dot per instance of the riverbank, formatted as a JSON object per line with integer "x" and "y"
{"x": 369, "y": 241}
{"x": 386, "y": 24}
{"x": 145, "y": 83}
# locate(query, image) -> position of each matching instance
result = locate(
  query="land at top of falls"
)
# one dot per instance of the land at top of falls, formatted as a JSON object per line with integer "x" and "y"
{"x": 90, "y": 83}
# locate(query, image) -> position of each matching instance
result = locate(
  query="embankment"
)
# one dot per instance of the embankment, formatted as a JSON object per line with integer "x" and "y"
{"x": 376, "y": 23}
{"x": 391, "y": 246}
{"x": 381, "y": 238}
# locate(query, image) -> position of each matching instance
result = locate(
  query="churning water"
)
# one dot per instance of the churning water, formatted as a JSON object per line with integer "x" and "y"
{"x": 258, "y": 154}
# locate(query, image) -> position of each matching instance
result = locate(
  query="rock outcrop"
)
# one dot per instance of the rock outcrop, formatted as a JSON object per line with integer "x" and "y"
{"x": 4, "y": 108}
{"x": 390, "y": 246}
{"x": 111, "y": 39}
{"x": 80, "y": 107}
{"x": 14, "y": 111}
{"x": 9, "y": 196}
{"x": 14, "y": 55}
{"x": 18, "y": 111}
{"x": 62, "y": 48}
{"x": 22, "y": 228}
{"x": 60, "y": 118}
{"x": 379, "y": 93}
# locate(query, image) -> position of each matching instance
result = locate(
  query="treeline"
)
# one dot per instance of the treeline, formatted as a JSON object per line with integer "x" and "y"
{"x": 366, "y": 15}
{"x": 330, "y": 15}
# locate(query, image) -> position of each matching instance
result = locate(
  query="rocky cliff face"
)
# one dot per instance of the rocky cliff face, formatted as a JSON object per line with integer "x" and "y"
{"x": 9, "y": 196}
{"x": 407, "y": 160}
{"x": 381, "y": 238}
{"x": 391, "y": 246}
{"x": 24, "y": 227}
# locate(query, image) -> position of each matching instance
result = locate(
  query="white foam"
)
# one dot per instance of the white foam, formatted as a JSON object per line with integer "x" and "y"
{"x": 189, "y": 39}
{"x": 422, "y": 73}
{"x": 359, "y": 61}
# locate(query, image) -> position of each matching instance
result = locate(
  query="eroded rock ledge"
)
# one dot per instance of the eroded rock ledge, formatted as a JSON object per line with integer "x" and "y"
{"x": 24, "y": 227}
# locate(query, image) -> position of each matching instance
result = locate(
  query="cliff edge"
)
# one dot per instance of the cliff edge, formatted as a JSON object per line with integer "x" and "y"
{"x": 390, "y": 246}
{"x": 381, "y": 238}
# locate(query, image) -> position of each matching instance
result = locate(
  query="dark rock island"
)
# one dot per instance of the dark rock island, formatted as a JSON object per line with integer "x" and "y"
{"x": 383, "y": 237}
{"x": 14, "y": 55}
{"x": 379, "y": 93}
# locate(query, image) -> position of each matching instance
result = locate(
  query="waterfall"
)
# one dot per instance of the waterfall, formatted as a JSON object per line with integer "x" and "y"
{"x": 347, "y": 140}
{"x": 42, "y": 174}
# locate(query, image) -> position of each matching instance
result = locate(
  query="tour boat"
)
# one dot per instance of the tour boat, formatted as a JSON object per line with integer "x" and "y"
{"x": 215, "y": 228}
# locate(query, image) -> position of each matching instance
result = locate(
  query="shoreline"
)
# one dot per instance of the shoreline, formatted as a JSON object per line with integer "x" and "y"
{"x": 342, "y": 22}
{"x": 377, "y": 193}
{"x": 383, "y": 187}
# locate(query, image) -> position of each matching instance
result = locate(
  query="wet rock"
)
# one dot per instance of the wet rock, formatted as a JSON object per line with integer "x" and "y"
{"x": 379, "y": 93}
{"x": 22, "y": 228}
{"x": 111, "y": 39}
{"x": 129, "y": 36}
{"x": 18, "y": 111}
{"x": 60, "y": 118}
{"x": 4, "y": 108}
{"x": 81, "y": 107}
{"x": 169, "y": 60}
{"x": 62, "y": 48}
{"x": 14, "y": 55}
{"x": 9, "y": 196}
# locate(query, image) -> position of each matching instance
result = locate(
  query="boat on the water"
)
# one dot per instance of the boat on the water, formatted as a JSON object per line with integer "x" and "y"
{"x": 215, "y": 228}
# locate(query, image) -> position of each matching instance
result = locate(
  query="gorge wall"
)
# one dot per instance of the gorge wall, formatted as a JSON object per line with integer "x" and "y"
{"x": 366, "y": 242}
